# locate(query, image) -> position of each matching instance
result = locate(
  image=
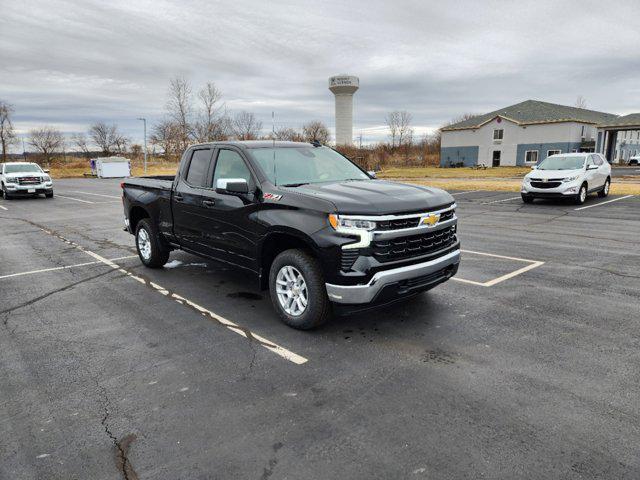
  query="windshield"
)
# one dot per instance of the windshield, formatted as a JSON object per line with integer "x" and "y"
{"x": 299, "y": 166}
{"x": 22, "y": 168}
{"x": 561, "y": 163}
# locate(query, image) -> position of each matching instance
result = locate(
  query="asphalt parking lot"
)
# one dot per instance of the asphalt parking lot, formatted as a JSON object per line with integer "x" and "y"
{"x": 526, "y": 366}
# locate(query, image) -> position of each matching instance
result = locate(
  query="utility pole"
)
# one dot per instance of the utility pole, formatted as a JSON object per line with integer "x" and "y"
{"x": 144, "y": 120}
{"x": 24, "y": 152}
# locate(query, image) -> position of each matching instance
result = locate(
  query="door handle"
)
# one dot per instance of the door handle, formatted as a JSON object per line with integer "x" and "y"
{"x": 209, "y": 203}
{"x": 178, "y": 198}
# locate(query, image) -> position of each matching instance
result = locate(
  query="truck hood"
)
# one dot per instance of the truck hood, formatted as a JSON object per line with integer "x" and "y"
{"x": 542, "y": 174}
{"x": 375, "y": 197}
{"x": 24, "y": 174}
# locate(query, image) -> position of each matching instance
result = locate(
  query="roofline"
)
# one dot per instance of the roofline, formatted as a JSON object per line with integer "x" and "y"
{"x": 522, "y": 124}
{"x": 635, "y": 126}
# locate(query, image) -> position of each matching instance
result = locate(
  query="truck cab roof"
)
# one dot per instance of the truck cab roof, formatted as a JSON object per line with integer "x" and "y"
{"x": 251, "y": 144}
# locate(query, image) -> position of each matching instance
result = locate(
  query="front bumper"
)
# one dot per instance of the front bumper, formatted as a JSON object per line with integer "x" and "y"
{"x": 39, "y": 188}
{"x": 397, "y": 281}
{"x": 563, "y": 190}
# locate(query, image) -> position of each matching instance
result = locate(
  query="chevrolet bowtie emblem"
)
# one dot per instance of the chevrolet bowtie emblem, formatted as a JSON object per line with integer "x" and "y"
{"x": 545, "y": 180}
{"x": 430, "y": 219}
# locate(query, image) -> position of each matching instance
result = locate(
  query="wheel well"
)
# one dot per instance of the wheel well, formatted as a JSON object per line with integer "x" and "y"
{"x": 274, "y": 245}
{"x": 135, "y": 215}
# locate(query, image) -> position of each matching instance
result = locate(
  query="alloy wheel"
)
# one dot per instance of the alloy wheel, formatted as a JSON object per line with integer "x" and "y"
{"x": 144, "y": 244}
{"x": 292, "y": 292}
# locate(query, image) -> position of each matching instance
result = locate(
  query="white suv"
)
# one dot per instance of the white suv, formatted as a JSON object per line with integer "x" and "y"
{"x": 568, "y": 175}
{"x": 22, "y": 178}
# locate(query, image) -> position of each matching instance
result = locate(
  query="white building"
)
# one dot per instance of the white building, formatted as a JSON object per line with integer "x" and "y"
{"x": 522, "y": 134}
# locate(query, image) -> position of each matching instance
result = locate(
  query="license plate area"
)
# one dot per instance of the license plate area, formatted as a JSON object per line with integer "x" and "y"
{"x": 31, "y": 190}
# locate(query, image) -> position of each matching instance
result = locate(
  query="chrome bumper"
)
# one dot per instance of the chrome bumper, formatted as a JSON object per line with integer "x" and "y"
{"x": 355, "y": 294}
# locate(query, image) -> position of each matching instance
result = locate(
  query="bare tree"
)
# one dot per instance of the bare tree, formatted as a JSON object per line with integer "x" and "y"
{"x": 246, "y": 126}
{"x": 7, "y": 134}
{"x": 213, "y": 123}
{"x": 136, "y": 150}
{"x": 121, "y": 143}
{"x": 288, "y": 134}
{"x": 46, "y": 140}
{"x": 316, "y": 131}
{"x": 165, "y": 136}
{"x": 180, "y": 109}
{"x": 399, "y": 123}
{"x": 81, "y": 143}
{"x": 581, "y": 102}
{"x": 104, "y": 136}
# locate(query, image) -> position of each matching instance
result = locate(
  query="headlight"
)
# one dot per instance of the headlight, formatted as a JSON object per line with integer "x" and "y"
{"x": 570, "y": 179}
{"x": 346, "y": 224}
{"x": 10, "y": 180}
{"x": 46, "y": 178}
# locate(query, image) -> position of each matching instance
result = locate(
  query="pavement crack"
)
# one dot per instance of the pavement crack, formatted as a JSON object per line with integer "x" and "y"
{"x": 121, "y": 446}
{"x": 7, "y": 311}
{"x": 273, "y": 461}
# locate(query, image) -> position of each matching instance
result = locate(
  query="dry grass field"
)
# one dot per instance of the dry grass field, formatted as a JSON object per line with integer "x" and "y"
{"x": 80, "y": 168}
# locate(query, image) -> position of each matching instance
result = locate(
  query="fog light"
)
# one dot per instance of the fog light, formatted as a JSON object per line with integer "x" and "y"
{"x": 571, "y": 190}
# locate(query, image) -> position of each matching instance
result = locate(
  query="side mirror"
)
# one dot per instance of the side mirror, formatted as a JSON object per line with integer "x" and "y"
{"x": 46, "y": 170}
{"x": 232, "y": 186}
{"x": 372, "y": 174}
{"x": 592, "y": 167}
{"x": 534, "y": 167}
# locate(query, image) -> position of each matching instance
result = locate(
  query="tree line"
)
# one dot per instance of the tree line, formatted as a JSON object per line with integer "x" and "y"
{"x": 199, "y": 116}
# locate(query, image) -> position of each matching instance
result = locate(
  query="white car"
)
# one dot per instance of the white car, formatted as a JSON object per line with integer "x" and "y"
{"x": 635, "y": 160}
{"x": 22, "y": 178}
{"x": 568, "y": 175}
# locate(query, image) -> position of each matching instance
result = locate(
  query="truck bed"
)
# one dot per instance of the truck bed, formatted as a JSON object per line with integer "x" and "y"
{"x": 157, "y": 182}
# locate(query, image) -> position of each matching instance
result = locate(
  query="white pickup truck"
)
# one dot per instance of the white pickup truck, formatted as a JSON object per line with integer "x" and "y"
{"x": 22, "y": 178}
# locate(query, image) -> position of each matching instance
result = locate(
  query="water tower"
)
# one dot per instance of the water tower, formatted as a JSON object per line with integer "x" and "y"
{"x": 343, "y": 87}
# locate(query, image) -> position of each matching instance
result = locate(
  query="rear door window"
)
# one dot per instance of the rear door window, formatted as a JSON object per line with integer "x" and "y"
{"x": 198, "y": 167}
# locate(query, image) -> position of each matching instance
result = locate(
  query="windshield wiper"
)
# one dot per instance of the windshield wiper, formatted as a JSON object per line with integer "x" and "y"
{"x": 294, "y": 184}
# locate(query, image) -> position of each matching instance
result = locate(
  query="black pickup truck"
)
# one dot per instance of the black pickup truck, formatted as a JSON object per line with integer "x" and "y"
{"x": 311, "y": 226}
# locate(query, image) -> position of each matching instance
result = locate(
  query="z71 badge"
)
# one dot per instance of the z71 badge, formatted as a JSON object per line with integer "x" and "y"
{"x": 271, "y": 196}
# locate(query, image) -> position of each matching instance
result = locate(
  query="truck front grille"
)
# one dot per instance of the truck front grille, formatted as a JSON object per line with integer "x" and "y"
{"x": 348, "y": 258}
{"x": 414, "y": 245}
{"x": 398, "y": 224}
{"x": 29, "y": 181}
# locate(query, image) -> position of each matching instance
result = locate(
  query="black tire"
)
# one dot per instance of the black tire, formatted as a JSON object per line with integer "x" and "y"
{"x": 158, "y": 253}
{"x": 605, "y": 189}
{"x": 527, "y": 199}
{"x": 318, "y": 308}
{"x": 5, "y": 194}
{"x": 581, "y": 197}
{"x": 49, "y": 195}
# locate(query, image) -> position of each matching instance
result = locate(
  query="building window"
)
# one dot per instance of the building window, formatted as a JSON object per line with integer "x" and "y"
{"x": 531, "y": 156}
{"x": 583, "y": 132}
{"x": 498, "y": 134}
{"x": 553, "y": 152}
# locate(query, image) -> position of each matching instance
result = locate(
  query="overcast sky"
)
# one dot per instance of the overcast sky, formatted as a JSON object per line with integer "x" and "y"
{"x": 69, "y": 63}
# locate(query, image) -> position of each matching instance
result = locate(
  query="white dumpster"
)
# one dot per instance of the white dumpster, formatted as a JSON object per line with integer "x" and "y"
{"x": 111, "y": 167}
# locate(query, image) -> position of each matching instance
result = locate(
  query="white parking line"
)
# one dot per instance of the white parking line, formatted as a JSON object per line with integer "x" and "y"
{"x": 72, "y": 198}
{"x": 503, "y": 200}
{"x": 96, "y": 194}
{"x": 53, "y": 269}
{"x": 602, "y": 203}
{"x": 3, "y": 208}
{"x": 532, "y": 264}
{"x": 251, "y": 336}
{"x": 462, "y": 193}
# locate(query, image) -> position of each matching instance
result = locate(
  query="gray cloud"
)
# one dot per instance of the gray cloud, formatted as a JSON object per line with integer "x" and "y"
{"x": 69, "y": 63}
